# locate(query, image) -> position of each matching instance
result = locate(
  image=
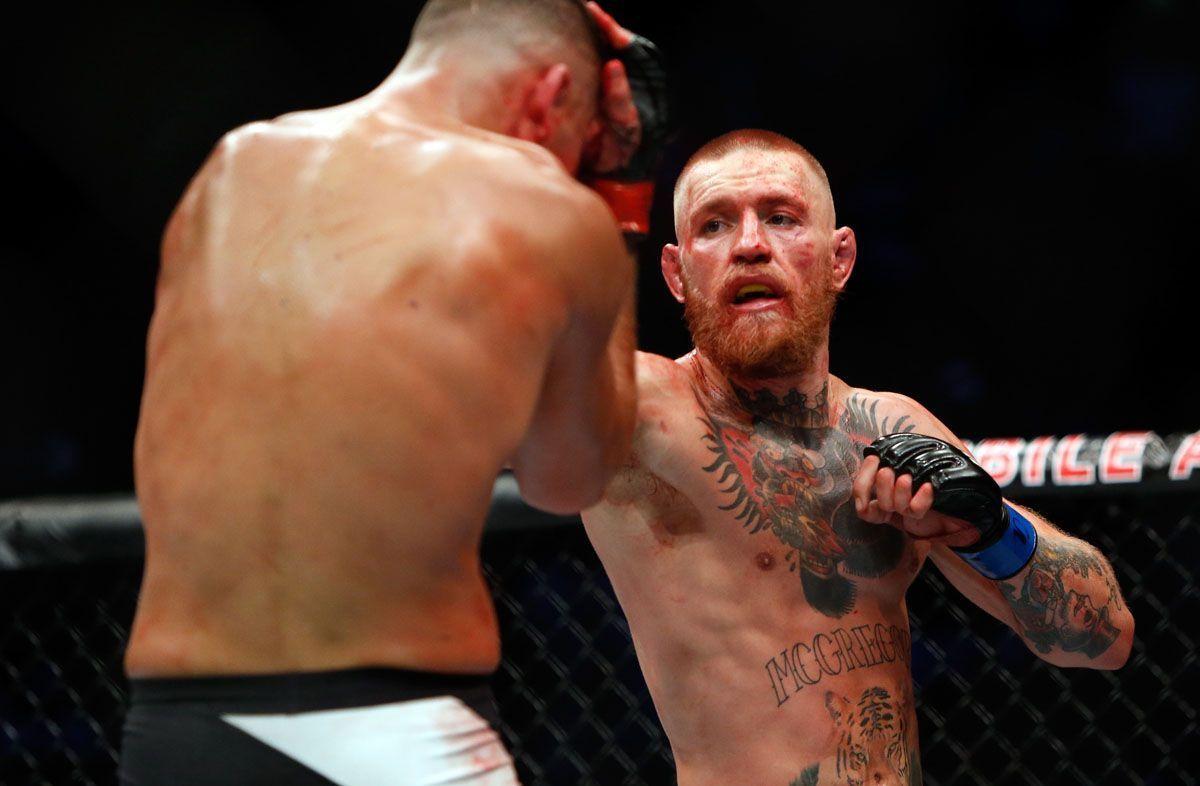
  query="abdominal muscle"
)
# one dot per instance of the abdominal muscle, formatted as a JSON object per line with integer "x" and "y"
{"x": 751, "y": 683}
{"x": 762, "y": 699}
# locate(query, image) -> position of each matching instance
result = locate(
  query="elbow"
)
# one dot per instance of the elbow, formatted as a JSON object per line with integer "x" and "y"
{"x": 563, "y": 494}
{"x": 1113, "y": 658}
{"x": 575, "y": 473}
{"x": 617, "y": 449}
{"x": 566, "y": 487}
{"x": 561, "y": 502}
{"x": 1107, "y": 654}
{"x": 1117, "y": 654}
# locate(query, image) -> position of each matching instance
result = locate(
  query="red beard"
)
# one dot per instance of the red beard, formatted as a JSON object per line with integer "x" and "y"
{"x": 766, "y": 344}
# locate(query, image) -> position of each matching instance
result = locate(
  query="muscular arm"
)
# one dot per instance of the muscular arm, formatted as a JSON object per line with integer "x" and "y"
{"x": 1065, "y": 604}
{"x": 581, "y": 430}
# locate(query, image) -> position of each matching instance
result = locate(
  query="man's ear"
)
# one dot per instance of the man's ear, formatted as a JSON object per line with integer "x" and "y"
{"x": 540, "y": 115}
{"x": 845, "y": 251}
{"x": 672, "y": 270}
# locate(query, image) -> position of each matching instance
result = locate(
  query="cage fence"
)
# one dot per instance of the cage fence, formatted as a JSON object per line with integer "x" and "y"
{"x": 574, "y": 706}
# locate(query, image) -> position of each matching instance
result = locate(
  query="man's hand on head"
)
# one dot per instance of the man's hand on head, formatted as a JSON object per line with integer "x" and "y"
{"x": 622, "y": 157}
{"x": 617, "y": 133}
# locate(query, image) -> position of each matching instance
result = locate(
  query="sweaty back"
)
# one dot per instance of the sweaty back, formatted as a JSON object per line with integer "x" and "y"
{"x": 352, "y": 323}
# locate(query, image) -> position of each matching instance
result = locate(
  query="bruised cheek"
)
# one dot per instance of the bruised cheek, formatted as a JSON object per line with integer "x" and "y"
{"x": 805, "y": 255}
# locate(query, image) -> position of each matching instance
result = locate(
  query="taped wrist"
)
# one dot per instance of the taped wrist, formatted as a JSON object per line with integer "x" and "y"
{"x": 630, "y": 204}
{"x": 1007, "y": 551}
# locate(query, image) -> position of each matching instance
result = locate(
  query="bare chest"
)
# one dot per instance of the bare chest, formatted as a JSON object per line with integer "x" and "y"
{"x": 774, "y": 495}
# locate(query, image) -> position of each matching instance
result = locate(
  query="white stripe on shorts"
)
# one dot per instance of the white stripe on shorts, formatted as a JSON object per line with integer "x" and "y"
{"x": 411, "y": 743}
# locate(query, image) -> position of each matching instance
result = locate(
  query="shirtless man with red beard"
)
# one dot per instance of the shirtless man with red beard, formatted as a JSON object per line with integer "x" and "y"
{"x": 762, "y": 562}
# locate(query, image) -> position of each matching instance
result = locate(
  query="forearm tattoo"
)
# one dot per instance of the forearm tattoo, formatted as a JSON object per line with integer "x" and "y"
{"x": 786, "y": 470}
{"x": 1066, "y": 599}
{"x": 876, "y": 742}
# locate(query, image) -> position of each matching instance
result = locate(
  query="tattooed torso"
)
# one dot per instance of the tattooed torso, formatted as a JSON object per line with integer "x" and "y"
{"x": 786, "y": 464}
{"x": 757, "y": 598}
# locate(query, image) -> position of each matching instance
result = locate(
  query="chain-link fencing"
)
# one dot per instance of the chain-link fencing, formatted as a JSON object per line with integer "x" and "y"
{"x": 575, "y": 707}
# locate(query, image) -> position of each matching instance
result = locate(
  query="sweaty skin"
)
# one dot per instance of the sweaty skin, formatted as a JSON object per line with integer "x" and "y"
{"x": 761, "y": 561}
{"x": 360, "y": 316}
{"x": 760, "y": 629}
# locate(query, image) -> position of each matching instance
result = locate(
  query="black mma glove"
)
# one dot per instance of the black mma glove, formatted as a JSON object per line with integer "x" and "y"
{"x": 629, "y": 190}
{"x": 964, "y": 490}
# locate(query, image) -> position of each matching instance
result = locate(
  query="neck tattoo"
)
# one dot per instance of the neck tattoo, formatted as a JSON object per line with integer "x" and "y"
{"x": 794, "y": 409}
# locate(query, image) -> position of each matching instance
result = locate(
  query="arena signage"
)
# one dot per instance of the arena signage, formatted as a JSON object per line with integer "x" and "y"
{"x": 1082, "y": 461}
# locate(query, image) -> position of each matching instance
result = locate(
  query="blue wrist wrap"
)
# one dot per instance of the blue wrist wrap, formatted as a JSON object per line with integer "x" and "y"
{"x": 1007, "y": 556}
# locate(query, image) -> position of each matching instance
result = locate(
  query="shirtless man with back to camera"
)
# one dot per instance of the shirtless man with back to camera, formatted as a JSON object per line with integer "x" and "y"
{"x": 762, "y": 563}
{"x": 362, "y": 314}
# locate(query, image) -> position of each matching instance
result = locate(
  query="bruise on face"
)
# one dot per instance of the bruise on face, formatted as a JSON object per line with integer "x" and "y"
{"x": 777, "y": 197}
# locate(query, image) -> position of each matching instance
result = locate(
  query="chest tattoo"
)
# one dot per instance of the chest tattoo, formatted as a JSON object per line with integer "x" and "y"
{"x": 785, "y": 470}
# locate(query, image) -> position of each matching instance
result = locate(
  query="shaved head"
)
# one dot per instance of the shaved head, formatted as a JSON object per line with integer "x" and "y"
{"x": 760, "y": 260}
{"x": 750, "y": 140}
{"x": 541, "y": 31}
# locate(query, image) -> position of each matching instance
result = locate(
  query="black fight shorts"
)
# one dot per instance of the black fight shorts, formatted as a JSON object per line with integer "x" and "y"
{"x": 363, "y": 727}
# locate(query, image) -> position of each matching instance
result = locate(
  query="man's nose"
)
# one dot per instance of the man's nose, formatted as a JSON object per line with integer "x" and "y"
{"x": 751, "y": 247}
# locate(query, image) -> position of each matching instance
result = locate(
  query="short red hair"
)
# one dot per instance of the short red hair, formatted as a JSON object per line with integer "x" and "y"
{"x": 749, "y": 139}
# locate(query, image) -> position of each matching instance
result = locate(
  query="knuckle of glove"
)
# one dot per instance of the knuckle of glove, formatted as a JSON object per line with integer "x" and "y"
{"x": 961, "y": 488}
{"x": 890, "y": 448}
{"x": 647, "y": 75}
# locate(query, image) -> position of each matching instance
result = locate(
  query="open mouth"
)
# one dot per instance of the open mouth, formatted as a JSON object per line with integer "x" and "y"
{"x": 754, "y": 293}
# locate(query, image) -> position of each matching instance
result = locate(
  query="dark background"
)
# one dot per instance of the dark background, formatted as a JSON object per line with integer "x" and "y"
{"x": 1022, "y": 177}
